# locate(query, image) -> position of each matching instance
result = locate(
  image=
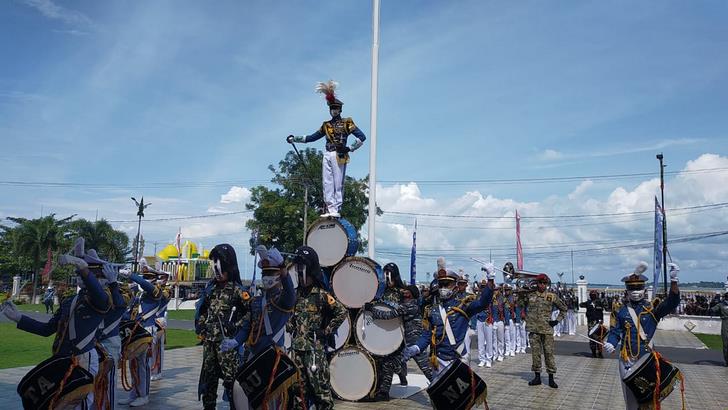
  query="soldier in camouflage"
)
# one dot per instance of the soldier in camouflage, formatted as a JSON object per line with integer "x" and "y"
{"x": 219, "y": 312}
{"x": 316, "y": 317}
{"x": 540, "y": 328}
{"x": 721, "y": 309}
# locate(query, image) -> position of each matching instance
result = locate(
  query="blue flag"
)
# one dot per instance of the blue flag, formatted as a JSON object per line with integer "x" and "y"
{"x": 659, "y": 218}
{"x": 413, "y": 257}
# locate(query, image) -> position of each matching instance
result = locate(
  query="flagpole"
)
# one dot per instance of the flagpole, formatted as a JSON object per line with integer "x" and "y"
{"x": 373, "y": 128}
{"x": 664, "y": 222}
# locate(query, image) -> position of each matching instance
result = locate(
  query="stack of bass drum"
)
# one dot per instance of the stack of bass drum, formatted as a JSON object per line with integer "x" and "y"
{"x": 354, "y": 282}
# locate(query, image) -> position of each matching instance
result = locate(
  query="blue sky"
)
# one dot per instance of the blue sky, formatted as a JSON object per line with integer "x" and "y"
{"x": 124, "y": 94}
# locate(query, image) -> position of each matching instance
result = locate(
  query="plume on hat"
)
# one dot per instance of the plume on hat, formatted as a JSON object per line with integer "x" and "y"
{"x": 440, "y": 263}
{"x": 328, "y": 90}
{"x": 641, "y": 268}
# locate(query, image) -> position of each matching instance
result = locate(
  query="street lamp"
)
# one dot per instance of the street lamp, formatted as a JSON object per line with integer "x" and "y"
{"x": 140, "y": 213}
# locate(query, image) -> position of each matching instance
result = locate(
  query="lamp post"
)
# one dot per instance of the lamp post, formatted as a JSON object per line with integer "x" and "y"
{"x": 140, "y": 213}
{"x": 664, "y": 221}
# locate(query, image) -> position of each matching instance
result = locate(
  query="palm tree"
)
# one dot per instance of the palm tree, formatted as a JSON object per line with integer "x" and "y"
{"x": 112, "y": 245}
{"x": 33, "y": 238}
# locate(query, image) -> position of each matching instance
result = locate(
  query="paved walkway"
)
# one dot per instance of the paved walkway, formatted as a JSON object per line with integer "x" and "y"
{"x": 584, "y": 383}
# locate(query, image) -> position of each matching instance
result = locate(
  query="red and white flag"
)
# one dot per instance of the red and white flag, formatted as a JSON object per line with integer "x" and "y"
{"x": 46, "y": 273}
{"x": 519, "y": 250}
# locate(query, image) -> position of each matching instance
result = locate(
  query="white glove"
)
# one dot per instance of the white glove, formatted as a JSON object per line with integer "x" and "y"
{"x": 9, "y": 309}
{"x": 72, "y": 260}
{"x": 674, "y": 270}
{"x": 110, "y": 273}
{"x": 228, "y": 344}
{"x": 125, "y": 273}
{"x": 410, "y": 352}
{"x": 489, "y": 270}
{"x": 356, "y": 145}
{"x": 609, "y": 348}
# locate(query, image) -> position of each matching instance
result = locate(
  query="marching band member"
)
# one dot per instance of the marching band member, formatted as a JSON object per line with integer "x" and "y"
{"x": 316, "y": 318}
{"x": 519, "y": 322}
{"x": 149, "y": 302}
{"x": 635, "y": 323}
{"x": 218, "y": 311}
{"x": 445, "y": 324}
{"x": 539, "y": 324}
{"x": 500, "y": 314}
{"x": 160, "y": 320}
{"x": 482, "y": 320}
{"x": 337, "y": 152}
{"x": 572, "y": 305}
{"x": 509, "y": 327}
{"x": 77, "y": 319}
{"x": 594, "y": 316}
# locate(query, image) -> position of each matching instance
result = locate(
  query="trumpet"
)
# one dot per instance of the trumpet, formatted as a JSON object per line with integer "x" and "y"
{"x": 146, "y": 269}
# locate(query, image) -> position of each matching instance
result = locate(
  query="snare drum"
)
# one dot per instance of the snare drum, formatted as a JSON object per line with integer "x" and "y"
{"x": 598, "y": 332}
{"x": 357, "y": 280}
{"x": 333, "y": 239}
{"x": 379, "y": 337}
{"x": 135, "y": 340}
{"x": 38, "y": 388}
{"x": 642, "y": 377}
{"x": 457, "y": 387}
{"x": 353, "y": 373}
{"x": 342, "y": 335}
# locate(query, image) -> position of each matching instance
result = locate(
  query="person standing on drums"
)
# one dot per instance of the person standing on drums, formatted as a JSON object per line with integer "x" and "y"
{"x": 539, "y": 326}
{"x": 635, "y": 323}
{"x": 316, "y": 317}
{"x": 445, "y": 324}
{"x": 220, "y": 309}
{"x": 721, "y": 309}
{"x": 78, "y": 317}
{"x": 337, "y": 152}
{"x": 594, "y": 317}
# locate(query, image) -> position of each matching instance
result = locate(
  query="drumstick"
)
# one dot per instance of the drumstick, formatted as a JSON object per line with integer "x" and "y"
{"x": 593, "y": 340}
{"x": 232, "y": 312}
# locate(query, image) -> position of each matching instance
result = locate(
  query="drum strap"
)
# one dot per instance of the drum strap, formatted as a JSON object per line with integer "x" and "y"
{"x": 635, "y": 319}
{"x": 448, "y": 331}
{"x": 108, "y": 329}
{"x": 150, "y": 313}
{"x": 72, "y": 326}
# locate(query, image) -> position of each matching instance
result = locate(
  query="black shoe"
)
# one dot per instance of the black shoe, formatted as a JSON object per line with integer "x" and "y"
{"x": 379, "y": 396}
{"x": 536, "y": 380}
{"x": 552, "y": 383}
{"x": 594, "y": 353}
{"x": 402, "y": 380}
{"x": 600, "y": 355}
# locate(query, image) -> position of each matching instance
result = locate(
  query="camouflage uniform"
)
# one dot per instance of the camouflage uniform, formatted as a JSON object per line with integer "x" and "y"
{"x": 722, "y": 310}
{"x": 316, "y": 313}
{"x": 540, "y": 333}
{"x": 388, "y": 365}
{"x": 216, "y": 306}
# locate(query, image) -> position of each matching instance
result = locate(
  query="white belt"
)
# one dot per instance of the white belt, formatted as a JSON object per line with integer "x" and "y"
{"x": 150, "y": 313}
{"x": 108, "y": 329}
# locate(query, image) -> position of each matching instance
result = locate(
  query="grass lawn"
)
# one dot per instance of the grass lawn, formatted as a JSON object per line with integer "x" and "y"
{"x": 171, "y": 314}
{"x": 19, "y": 348}
{"x": 713, "y": 342}
{"x": 34, "y": 308}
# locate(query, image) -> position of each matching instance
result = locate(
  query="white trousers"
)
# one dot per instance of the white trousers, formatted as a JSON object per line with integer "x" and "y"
{"x": 490, "y": 342}
{"x": 90, "y": 362}
{"x": 113, "y": 346}
{"x": 571, "y": 322}
{"x": 558, "y": 327}
{"x": 499, "y": 330}
{"x": 521, "y": 336}
{"x": 469, "y": 334}
{"x": 333, "y": 181}
{"x": 510, "y": 336}
{"x": 143, "y": 369}
{"x": 481, "y": 327}
{"x": 158, "y": 350}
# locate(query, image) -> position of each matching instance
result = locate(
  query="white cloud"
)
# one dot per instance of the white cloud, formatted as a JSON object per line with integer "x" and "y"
{"x": 55, "y": 12}
{"x": 551, "y": 155}
{"x": 580, "y": 189}
{"x": 236, "y": 194}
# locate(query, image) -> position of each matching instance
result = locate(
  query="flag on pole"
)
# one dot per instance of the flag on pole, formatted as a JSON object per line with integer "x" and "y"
{"x": 46, "y": 273}
{"x": 659, "y": 218}
{"x": 519, "y": 250}
{"x": 413, "y": 257}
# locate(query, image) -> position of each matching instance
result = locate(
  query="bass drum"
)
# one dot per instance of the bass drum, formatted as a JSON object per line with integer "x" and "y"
{"x": 333, "y": 239}
{"x": 342, "y": 336}
{"x": 357, "y": 280}
{"x": 353, "y": 373}
{"x": 379, "y": 337}
{"x": 41, "y": 384}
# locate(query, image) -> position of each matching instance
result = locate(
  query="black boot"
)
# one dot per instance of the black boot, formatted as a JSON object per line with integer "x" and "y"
{"x": 536, "y": 380}
{"x": 402, "y": 380}
{"x": 600, "y": 355}
{"x": 594, "y": 353}
{"x": 552, "y": 383}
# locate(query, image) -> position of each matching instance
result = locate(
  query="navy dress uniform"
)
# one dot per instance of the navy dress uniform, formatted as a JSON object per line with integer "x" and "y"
{"x": 635, "y": 323}
{"x": 77, "y": 319}
{"x": 445, "y": 324}
{"x": 160, "y": 320}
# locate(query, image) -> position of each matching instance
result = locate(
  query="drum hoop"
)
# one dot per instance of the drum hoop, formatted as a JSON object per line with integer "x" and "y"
{"x": 367, "y": 261}
{"x": 368, "y": 356}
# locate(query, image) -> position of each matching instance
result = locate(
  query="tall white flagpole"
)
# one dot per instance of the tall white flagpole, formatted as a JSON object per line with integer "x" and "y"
{"x": 373, "y": 128}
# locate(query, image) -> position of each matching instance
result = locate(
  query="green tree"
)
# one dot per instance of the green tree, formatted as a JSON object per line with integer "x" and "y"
{"x": 32, "y": 238}
{"x": 278, "y": 215}
{"x": 111, "y": 245}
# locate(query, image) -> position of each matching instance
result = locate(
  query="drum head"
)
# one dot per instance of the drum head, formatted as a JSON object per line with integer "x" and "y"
{"x": 379, "y": 337}
{"x": 356, "y": 282}
{"x": 352, "y": 373}
{"x": 332, "y": 240}
{"x": 240, "y": 400}
{"x": 342, "y": 335}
